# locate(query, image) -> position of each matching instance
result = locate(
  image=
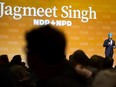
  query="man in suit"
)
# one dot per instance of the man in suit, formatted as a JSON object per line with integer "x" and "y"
{"x": 109, "y": 45}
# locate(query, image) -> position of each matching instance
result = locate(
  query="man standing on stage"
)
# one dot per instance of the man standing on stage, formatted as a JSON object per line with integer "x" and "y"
{"x": 109, "y": 44}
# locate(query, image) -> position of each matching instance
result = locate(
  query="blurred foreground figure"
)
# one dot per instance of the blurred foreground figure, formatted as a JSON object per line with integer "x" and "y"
{"x": 80, "y": 62}
{"x": 105, "y": 78}
{"x": 6, "y": 78}
{"x": 45, "y": 52}
{"x": 19, "y": 72}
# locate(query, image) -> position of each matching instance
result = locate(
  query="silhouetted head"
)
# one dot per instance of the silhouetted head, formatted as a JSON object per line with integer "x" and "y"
{"x": 108, "y": 63}
{"x": 96, "y": 61}
{"x": 4, "y": 59}
{"x": 79, "y": 57}
{"x": 16, "y": 60}
{"x": 47, "y": 43}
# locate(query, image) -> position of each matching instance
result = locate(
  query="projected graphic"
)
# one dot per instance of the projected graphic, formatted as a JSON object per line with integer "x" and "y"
{"x": 85, "y": 23}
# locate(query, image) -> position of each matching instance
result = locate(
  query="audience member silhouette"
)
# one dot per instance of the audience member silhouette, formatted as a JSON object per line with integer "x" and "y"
{"x": 19, "y": 72}
{"x": 6, "y": 78}
{"x": 46, "y": 56}
{"x": 79, "y": 57}
{"x": 16, "y": 60}
{"x": 97, "y": 62}
{"x": 80, "y": 61}
{"x": 105, "y": 78}
{"x": 4, "y": 59}
{"x": 108, "y": 63}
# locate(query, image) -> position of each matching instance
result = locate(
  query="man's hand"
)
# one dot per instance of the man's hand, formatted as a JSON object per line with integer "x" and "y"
{"x": 109, "y": 43}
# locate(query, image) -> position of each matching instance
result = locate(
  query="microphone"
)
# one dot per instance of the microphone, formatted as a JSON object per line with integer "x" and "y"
{"x": 109, "y": 39}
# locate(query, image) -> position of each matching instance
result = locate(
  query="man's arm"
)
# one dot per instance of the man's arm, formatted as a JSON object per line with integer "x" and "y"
{"x": 114, "y": 46}
{"x": 105, "y": 43}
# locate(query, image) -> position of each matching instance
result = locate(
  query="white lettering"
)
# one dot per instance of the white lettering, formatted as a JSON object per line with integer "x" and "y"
{"x": 17, "y": 12}
{"x": 1, "y": 8}
{"x": 29, "y": 10}
{"x": 8, "y": 10}
{"x": 84, "y": 15}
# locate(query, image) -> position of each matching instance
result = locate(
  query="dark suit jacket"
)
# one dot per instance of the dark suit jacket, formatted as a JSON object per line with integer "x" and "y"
{"x": 109, "y": 48}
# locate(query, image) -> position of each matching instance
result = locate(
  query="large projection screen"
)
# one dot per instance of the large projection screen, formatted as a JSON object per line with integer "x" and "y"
{"x": 85, "y": 23}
